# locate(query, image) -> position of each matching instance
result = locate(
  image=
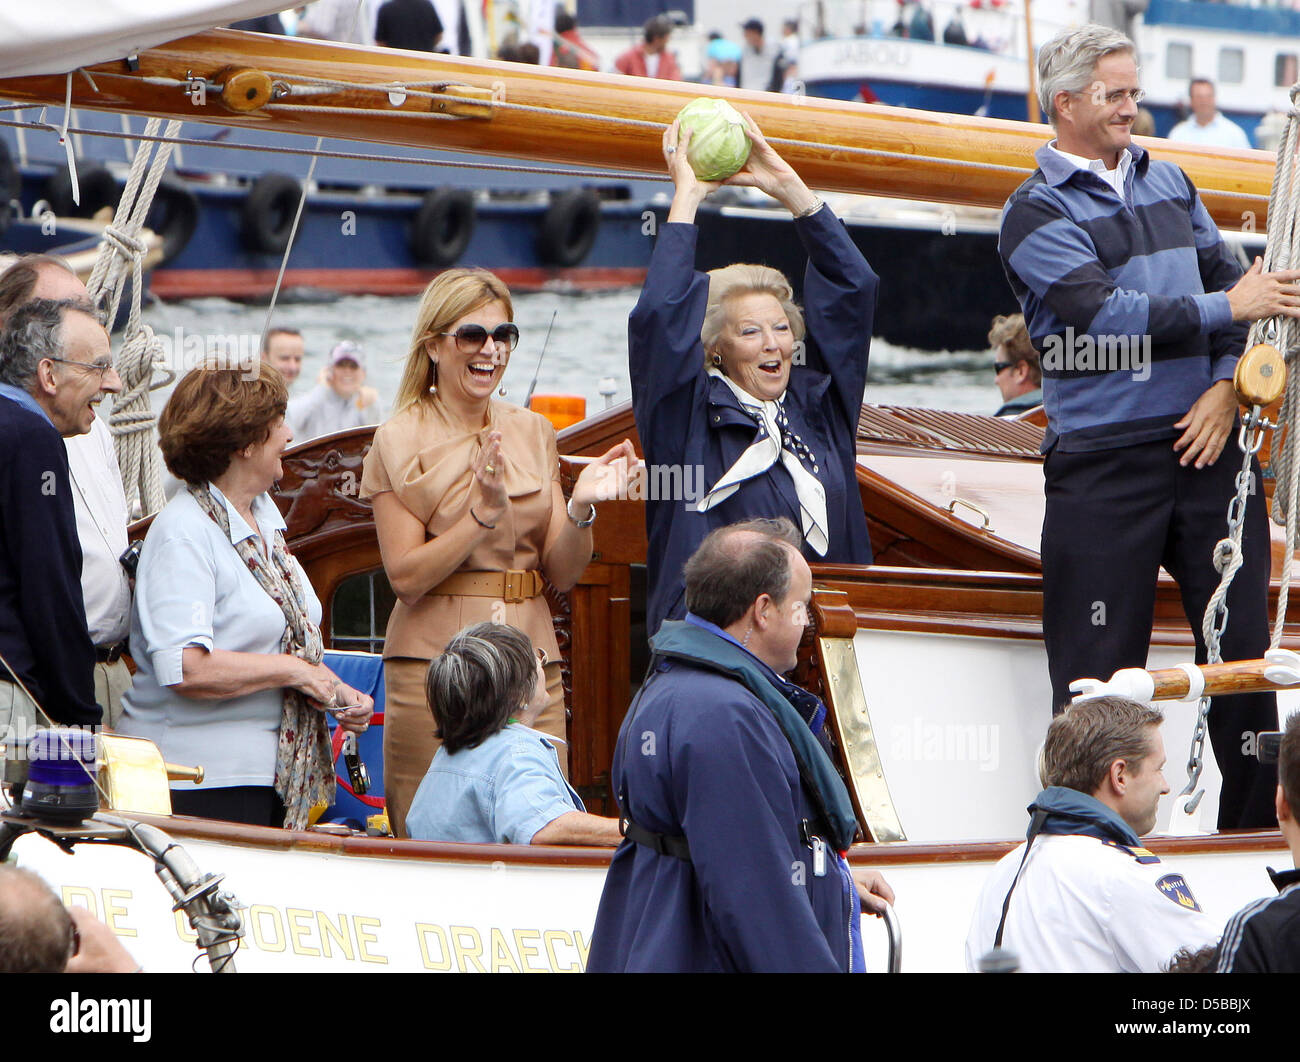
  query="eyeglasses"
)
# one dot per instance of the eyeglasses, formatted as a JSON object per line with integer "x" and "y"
{"x": 470, "y": 338}
{"x": 541, "y": 655}
{"x": 999, "y": 367}
{"x": 100, "y": 367}
{"x": 1113, "y": 99}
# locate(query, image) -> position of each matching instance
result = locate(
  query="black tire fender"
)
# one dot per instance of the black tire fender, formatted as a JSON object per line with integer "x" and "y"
{"x": 174, "y": 216}
{"x": 442, "y": 227}
{"x": 569, "y": 228}
{"x": 266, "y": 218}
{"x": 99, "y": 189}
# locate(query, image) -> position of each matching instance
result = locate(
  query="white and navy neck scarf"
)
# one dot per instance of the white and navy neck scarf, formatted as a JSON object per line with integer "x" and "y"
{"x": 775, "y": 442}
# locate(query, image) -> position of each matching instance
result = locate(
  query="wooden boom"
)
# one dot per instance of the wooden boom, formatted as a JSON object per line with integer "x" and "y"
{"x": 578, "y": 117}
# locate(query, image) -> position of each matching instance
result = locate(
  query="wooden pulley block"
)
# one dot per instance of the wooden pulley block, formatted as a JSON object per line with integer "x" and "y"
{"x": 245, "y": 90}
{"x": 1260, "y": 378}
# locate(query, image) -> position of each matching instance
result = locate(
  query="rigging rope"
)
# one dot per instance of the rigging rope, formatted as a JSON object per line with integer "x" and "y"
{"x": 1282, "y": 333}
{"x": 1283, "y": 252}
{"x": 122, "y": 250}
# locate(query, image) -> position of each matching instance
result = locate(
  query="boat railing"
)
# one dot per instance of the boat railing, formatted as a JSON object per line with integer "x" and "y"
{"x": 996, "y": 29}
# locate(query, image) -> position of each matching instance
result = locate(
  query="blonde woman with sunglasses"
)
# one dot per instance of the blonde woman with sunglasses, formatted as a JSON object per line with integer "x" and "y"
{"x": 470, "y": 516}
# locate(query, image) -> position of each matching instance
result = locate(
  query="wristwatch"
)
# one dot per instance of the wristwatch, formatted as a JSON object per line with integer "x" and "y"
{"x": 591, "y": 517}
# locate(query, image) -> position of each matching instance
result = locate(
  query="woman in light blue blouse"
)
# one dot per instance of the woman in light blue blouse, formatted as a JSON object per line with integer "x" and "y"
{"x": 494, "y": 778}
{"x": 224, "y": 624}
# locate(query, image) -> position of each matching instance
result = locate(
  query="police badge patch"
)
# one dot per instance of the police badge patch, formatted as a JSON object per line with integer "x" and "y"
{"x": 1176, "y": 889}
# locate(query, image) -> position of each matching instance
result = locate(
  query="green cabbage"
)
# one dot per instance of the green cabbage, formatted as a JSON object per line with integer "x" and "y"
{"x": 719, "y": 141}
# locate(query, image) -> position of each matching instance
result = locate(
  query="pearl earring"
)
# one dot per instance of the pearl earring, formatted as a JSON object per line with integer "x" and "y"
{"x": 433, "y": 387}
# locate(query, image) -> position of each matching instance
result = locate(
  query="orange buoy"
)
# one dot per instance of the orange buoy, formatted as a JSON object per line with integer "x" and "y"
{"x": 560, "y": 410}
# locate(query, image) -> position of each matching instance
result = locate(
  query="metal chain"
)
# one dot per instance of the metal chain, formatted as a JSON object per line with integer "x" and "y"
{"x": 1227, "y": 559}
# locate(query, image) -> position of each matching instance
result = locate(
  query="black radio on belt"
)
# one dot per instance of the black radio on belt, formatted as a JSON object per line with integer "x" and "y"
{"x": 130, "y": 558}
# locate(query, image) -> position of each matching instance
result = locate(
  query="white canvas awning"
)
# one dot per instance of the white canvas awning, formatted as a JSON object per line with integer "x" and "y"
{"x": 55, "y": 37}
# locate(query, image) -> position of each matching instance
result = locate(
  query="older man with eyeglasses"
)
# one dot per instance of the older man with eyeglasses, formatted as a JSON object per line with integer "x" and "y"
{"x": 98, "y": 497}
{"x": 55, "y": 365}
{"x": 1139, "y": 312}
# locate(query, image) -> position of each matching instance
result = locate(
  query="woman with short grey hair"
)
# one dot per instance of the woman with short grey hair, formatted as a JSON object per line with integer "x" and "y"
{"x": 748, "y": 402}
{"x": 494, "y": 779}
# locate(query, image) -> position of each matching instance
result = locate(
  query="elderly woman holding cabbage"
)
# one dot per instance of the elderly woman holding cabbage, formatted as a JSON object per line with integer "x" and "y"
{"x": 729, "y": 376}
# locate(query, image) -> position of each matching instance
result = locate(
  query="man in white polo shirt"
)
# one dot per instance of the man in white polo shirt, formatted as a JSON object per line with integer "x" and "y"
{"x": 1207, "y": 125}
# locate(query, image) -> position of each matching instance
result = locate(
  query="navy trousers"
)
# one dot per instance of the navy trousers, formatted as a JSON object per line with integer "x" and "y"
{"x": 1113, "y": 518}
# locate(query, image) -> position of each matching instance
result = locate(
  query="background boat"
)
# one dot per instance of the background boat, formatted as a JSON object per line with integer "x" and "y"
{"x": 848, "y": 52}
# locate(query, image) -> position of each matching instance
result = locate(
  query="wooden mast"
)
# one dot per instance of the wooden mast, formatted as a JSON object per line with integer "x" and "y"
{"x": 574, "y": 116}
{"x": 1031, "y": 62}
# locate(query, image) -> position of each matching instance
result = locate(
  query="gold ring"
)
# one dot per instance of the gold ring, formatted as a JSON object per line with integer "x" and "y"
{"x": 490, "y": 470}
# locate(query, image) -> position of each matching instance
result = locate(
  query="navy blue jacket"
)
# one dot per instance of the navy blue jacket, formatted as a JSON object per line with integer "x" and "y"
{"x": 690, "y": 421}
{"x": 701, "y": 756}
{"x": 42, "y": 613}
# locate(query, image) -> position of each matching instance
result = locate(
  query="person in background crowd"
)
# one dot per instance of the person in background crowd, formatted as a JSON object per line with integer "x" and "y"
{"x": 55, "y": 366}
{"x": 735, "y": 819}
{"x": 494, "y": 779}
{"x": 955, "y": 31}
{"x": 723, "y": 61}
{"x": 345, "y": 21}
{"x": 469, "y": 513}
{"x": 340, "y": 402}
{"x": 38, "y": 934}
{"x": 651, "y": 58}
{"x": 570, "y": 49}
{"x": 758, "y": 59}
{"x": 528, "y": 52}
{"x": 1207, "y": 125}
{"x": 921, "y": 27}
{"x": 412, "y": 25}
{"x": 97, "y": 497}
{"x": 283, "y": 348}
{"x": 1140, "y": 313}
{"x": 785, "y": 75}
{"x": 1082, "y": 895}
{"x": 225, "y": 631}
{"x": 1015, "y": 366}
{"x": 261, "y": 24}
{"x": 1264, "y": 937}
{"x": 727, "y": 387}
{"x": 1144, "y": 124}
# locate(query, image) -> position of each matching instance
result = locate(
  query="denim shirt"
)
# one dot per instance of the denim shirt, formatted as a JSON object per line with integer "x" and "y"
{"x": 501, "y": 792}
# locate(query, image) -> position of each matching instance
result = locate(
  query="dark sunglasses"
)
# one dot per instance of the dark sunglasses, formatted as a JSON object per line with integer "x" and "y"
{"x": 471, "y": 338}
{"x": 1000, "y": 367}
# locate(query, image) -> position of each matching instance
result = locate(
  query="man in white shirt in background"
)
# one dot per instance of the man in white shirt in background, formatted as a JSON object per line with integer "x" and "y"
{"x": 758, "y": 60}
{"x": 340, "y": 401}
{"x": 1082, "y": 895}
{"x": 1207, "y": 125}
{"x": 99, "y": 501}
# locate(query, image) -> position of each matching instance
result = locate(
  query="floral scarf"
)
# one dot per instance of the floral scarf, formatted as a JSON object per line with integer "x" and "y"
{"x": 304, "y": 767}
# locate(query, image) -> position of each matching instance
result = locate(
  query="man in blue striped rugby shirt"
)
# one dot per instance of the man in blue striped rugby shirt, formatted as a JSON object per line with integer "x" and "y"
{"x": 1139, "y": 313}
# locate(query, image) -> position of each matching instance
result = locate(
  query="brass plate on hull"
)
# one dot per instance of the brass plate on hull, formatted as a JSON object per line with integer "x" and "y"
{"x": 857, "y": 740}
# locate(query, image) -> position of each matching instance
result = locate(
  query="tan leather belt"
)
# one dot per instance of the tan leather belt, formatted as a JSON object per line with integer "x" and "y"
{"x": 510, "y": 586}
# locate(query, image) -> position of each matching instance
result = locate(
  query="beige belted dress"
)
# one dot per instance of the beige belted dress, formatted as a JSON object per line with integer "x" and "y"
{"x": 425, "y": 458}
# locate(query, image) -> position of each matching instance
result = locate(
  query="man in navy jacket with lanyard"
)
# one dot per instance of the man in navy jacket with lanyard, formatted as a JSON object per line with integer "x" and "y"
{"x": 735, "y": 820}
{"x": 1138, "y": 311}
